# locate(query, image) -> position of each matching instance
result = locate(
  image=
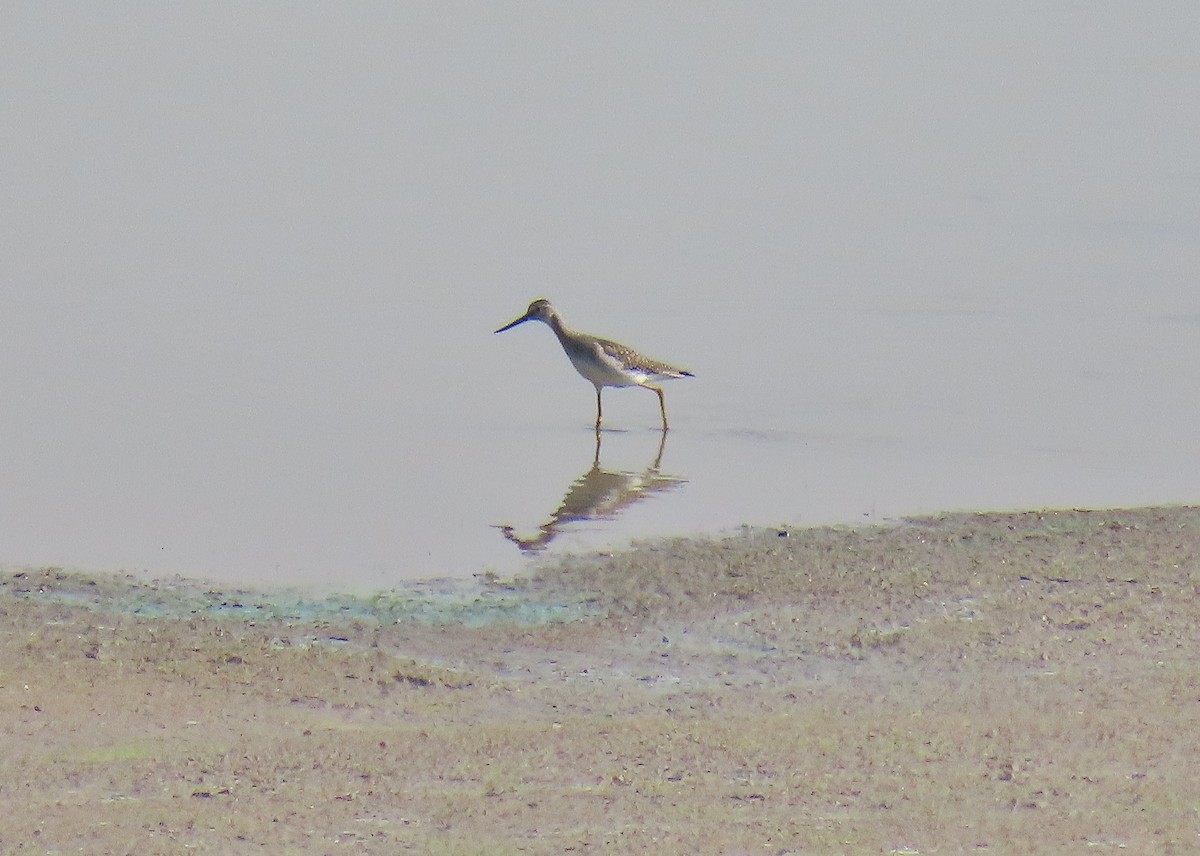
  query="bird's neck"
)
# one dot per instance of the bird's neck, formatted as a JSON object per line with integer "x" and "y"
{"x": 560, "y": 329}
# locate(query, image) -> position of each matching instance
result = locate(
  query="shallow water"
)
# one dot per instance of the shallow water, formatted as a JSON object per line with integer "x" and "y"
{"x": 246, "y": 328}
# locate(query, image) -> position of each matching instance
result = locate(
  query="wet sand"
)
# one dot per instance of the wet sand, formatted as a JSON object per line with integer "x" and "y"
{"x": 1022, "y": 682}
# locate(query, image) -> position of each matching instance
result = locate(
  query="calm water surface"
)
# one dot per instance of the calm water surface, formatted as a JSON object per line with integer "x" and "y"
{"x": 252, "y": 276}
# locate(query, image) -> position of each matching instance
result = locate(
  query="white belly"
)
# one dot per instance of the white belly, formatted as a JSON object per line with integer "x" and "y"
{"x": 603, "y": 370}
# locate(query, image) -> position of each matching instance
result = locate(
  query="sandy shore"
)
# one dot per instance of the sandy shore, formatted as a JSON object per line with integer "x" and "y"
{"x": 1002, "y": 682}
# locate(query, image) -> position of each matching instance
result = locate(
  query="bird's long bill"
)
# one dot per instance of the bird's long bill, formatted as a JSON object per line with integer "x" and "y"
{"x": 512, "y": 324}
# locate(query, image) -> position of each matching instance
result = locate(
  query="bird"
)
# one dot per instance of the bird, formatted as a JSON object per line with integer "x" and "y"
{"x": 602, "y": 361}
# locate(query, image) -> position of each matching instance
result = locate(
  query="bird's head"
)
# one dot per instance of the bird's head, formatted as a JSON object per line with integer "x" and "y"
{"x": 539, "y": 310}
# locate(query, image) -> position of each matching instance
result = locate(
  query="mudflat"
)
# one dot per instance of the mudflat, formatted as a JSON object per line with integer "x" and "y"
{"x": 1011, "y": 682}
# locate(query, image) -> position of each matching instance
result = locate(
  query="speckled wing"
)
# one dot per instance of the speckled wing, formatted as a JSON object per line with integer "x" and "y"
{"x": 634, "y": 361}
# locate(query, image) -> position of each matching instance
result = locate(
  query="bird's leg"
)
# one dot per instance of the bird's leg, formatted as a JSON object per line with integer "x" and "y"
{"x": 662, "y": 444}
{"x": 662, "y": 404}
{"x": 599, "y": 411}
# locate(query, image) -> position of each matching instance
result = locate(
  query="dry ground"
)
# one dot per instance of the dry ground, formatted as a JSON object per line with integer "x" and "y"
{"x": 1008, "y": 683}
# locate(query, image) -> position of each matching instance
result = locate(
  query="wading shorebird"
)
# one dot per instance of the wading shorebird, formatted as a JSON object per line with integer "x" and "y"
{"x": 601, "y": 361}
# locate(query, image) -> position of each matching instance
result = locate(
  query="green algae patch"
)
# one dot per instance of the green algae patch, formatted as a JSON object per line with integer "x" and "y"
{"x": 123, "y": 753}
{"x": 469, "y": 603}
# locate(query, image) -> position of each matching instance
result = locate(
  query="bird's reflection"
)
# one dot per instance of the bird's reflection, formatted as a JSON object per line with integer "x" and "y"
{"x": 598, "y": 494}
